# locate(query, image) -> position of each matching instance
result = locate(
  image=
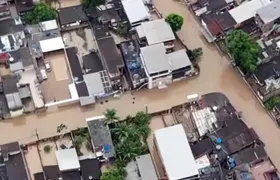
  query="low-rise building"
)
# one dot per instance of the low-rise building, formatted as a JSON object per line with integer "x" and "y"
{"x": 146, "y": 167}
{"x": 101, "y": 138}
{"x": 175, "y": 155}
{"x": 157, "y": 67}
{"x": 136, "y": 11}
{"x": 10, "y": 86}
{"x": 109, "y": 54}
{"x": 155, "y": 32}
{"x": 131, "y": 55}
{"x": 12, "y": 165}
{"x": 267, "y": 16}
{"x": 72, "y": 17}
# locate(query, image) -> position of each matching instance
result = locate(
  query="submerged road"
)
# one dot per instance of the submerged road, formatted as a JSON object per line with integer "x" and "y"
{"x": 217, "y": 75}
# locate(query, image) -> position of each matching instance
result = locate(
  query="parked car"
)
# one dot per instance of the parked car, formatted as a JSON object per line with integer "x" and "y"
{"x": 44, "y": 74}
{"x": 48, "y": 66}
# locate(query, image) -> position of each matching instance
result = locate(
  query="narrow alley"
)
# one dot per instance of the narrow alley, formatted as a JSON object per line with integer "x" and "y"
{"x": 216, "y": 75}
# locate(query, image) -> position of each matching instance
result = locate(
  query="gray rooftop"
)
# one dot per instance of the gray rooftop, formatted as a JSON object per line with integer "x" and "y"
{"x": 270, "y": 12}
{"x": 146, "y": 167}
{"x": 157, "y": 31}
{"x": 100, "y": 135}
{"x": 179, "y": 59}
{"x": 155, "y": 58}
{"x": 94, "y": 84}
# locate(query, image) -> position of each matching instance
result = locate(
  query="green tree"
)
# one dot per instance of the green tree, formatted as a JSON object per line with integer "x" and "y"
{"x": 244, "y": 50}
{"x": 92, "y": 3}
{"x": 175, "y": 21}
{"x": 47, "y": 148}
{"x": 124, "y": 130}
{"x": 129, "y": 149}
{"x": 122, "y": 29}
{"x": 270, "y": 103}
{"x": 41, "y": 12}
{"x": 114, "y": 174}
{"x": 110, "y": 116}
{"x": 197, "y": 53}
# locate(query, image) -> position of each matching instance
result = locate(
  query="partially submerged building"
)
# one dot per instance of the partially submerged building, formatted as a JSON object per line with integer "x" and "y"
{"x": 132, "y": 58}
{"x": 10, "y": 86}
{"x": 12, "y": 165}
{"x": 268, "y": 16}
{"x": 101, "y": 138}
{"x": 109, "y": 53}
{"x": 267, "y": 78}
{"x": 175, "y": 155}
{"x": 155, "y": 32}
{"x": 72, "y": 17}
{"x": 157, "y": 67}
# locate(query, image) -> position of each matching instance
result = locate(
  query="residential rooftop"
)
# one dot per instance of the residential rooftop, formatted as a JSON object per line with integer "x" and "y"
{"x": 10, "y": 26}
{"x": 179, "y": 59}
{"x": 155, "y": 32}
{"x": 108, "y": 52}
{"x": 146, "y": 167}
{"x": 101, "y": 137}
{"x": 269, "y": 69}
{"x": 155, "y": 58}
{"x": 218, "y": 22}
{"x": 90, "y": 168}
{"x": 73, "y": 14}
{"x": 175, "y": 152}
{"x": 74, "y": 63}
{"x": 24, "y": 5}
{"x": 131, "y": 55}
{"x": 136, "y": 11}
{"x": 213, "y": 6}
{"x": 92, "y": 63}
{"x": 270, "y": 12}
{"x": 247, "y": 10}
{"x": 12, "y": 164}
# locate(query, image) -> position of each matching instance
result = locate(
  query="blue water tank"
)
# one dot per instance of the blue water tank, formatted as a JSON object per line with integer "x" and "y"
{"x": 218, "y": 140}
{"x": 106, "y": 148}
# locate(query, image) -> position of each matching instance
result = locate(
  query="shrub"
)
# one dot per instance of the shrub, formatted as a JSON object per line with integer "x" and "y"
{"x": 47, "y": 148}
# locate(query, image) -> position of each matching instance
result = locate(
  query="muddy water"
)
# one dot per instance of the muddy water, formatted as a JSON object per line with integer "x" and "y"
{"x": 216, "y": 76}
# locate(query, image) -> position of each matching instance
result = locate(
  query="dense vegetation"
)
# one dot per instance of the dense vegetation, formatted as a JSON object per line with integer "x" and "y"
{"x": 129, "y": 138}
{"x": 41, "y": 12}
{"x": 244, "y": 50}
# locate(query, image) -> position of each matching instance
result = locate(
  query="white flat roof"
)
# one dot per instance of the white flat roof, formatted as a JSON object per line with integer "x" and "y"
{"x": 175, "y": 152}
{"x": 48, "y": 25}
{"x": 135, "y": 10}
{"x": 156, "y": 31}
{"x": 52, "y": 44}
{"x": 155, "y": 58}
{"x": 67, "y": 159}
{"x": 179, "y": 59}
{"x": 247, "y": 10}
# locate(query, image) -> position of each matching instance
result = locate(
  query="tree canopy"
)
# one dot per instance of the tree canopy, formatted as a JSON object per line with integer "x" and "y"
{"x": 175, "y": 21}
{"x": 92, "y": 3}
{"x": 244, "y": 50}
{"x": 41, "y": 12}
{"x": 271, "y": 103}
{"x": 110, "y": 116}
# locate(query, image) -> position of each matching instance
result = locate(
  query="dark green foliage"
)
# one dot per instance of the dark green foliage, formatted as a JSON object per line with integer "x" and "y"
{"x": 175, "y": 21}
{"x": 244, "y": 50}
{"x": 41, "y": 12}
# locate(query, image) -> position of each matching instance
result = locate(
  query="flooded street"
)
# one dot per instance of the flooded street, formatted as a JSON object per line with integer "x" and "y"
{"x": 216, "y": 76}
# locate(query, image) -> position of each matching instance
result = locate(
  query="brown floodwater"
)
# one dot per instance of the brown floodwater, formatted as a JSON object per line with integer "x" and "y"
{"x": 217, "y": 75}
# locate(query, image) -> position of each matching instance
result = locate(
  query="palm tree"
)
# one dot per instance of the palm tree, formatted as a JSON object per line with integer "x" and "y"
{"x": 128, "y": 149}
{"x": 110, "y": 116}
{"x": 125, "y": 130}
{"x": 141, "y": 118}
